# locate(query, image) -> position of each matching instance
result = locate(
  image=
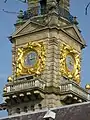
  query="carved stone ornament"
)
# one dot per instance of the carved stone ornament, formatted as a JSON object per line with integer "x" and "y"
{"x": 30, "y": 59}
{"x": 70, "y": 66}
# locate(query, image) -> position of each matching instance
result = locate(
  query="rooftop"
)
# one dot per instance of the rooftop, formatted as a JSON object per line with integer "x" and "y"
{"x": 80, "y": 111}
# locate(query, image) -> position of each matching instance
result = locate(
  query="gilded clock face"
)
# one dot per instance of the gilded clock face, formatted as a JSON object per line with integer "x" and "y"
{"x": 70, "y": 62}
{"x": 31, "y": 59}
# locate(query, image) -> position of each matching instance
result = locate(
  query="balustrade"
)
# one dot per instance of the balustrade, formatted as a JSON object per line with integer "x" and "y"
{"x": 22, "y": 85}
{"x": 75, "y": 89}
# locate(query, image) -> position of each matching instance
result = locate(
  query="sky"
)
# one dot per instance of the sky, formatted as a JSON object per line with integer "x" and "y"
{"x": 7, "y": 21}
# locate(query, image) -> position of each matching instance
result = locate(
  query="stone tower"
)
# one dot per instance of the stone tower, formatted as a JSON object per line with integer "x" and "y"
{"x": 46, "y": 59}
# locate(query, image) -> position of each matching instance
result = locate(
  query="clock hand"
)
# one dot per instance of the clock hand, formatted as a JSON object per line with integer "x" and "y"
{"x": 32, "y": 58}
{"x": 70, "y": 62}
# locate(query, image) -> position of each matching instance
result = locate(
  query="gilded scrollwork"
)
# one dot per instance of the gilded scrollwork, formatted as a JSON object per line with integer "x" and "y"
{"x": 24, "y": 50}
{"x": 75, "y": 73}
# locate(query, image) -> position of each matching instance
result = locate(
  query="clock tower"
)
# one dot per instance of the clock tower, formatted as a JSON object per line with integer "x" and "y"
{"x": 46, "y": 59}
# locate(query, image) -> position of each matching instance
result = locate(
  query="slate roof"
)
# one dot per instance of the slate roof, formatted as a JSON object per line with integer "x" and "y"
{"x": 80, "y": 111}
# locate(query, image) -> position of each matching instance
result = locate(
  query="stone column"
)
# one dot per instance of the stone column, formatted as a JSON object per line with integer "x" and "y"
{"x": 33, "y": 7}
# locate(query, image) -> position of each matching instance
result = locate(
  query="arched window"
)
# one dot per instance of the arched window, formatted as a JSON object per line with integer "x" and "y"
{"x": 25, "y": 109}
{"x": 58, "y": 1}
{"x": 32, "y": 108}
{"x": 43, "y": 6}
{"x": 9, "y": 111}
{"x": 40, "y": 106}
{"x": 18, "y": 110}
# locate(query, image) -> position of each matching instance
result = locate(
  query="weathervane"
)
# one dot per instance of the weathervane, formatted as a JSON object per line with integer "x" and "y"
{"x": 24, "y": 1}
{"x": 6, "y": 11}
{"x": 87, "y": 8}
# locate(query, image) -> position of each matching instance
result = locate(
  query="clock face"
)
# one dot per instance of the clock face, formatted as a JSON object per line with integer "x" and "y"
{"x": 70, "y": 62}
{"x": 30, "y": 59}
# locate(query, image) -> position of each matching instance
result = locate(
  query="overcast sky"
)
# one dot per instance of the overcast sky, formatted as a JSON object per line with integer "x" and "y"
{"x": 7, "y": 21}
